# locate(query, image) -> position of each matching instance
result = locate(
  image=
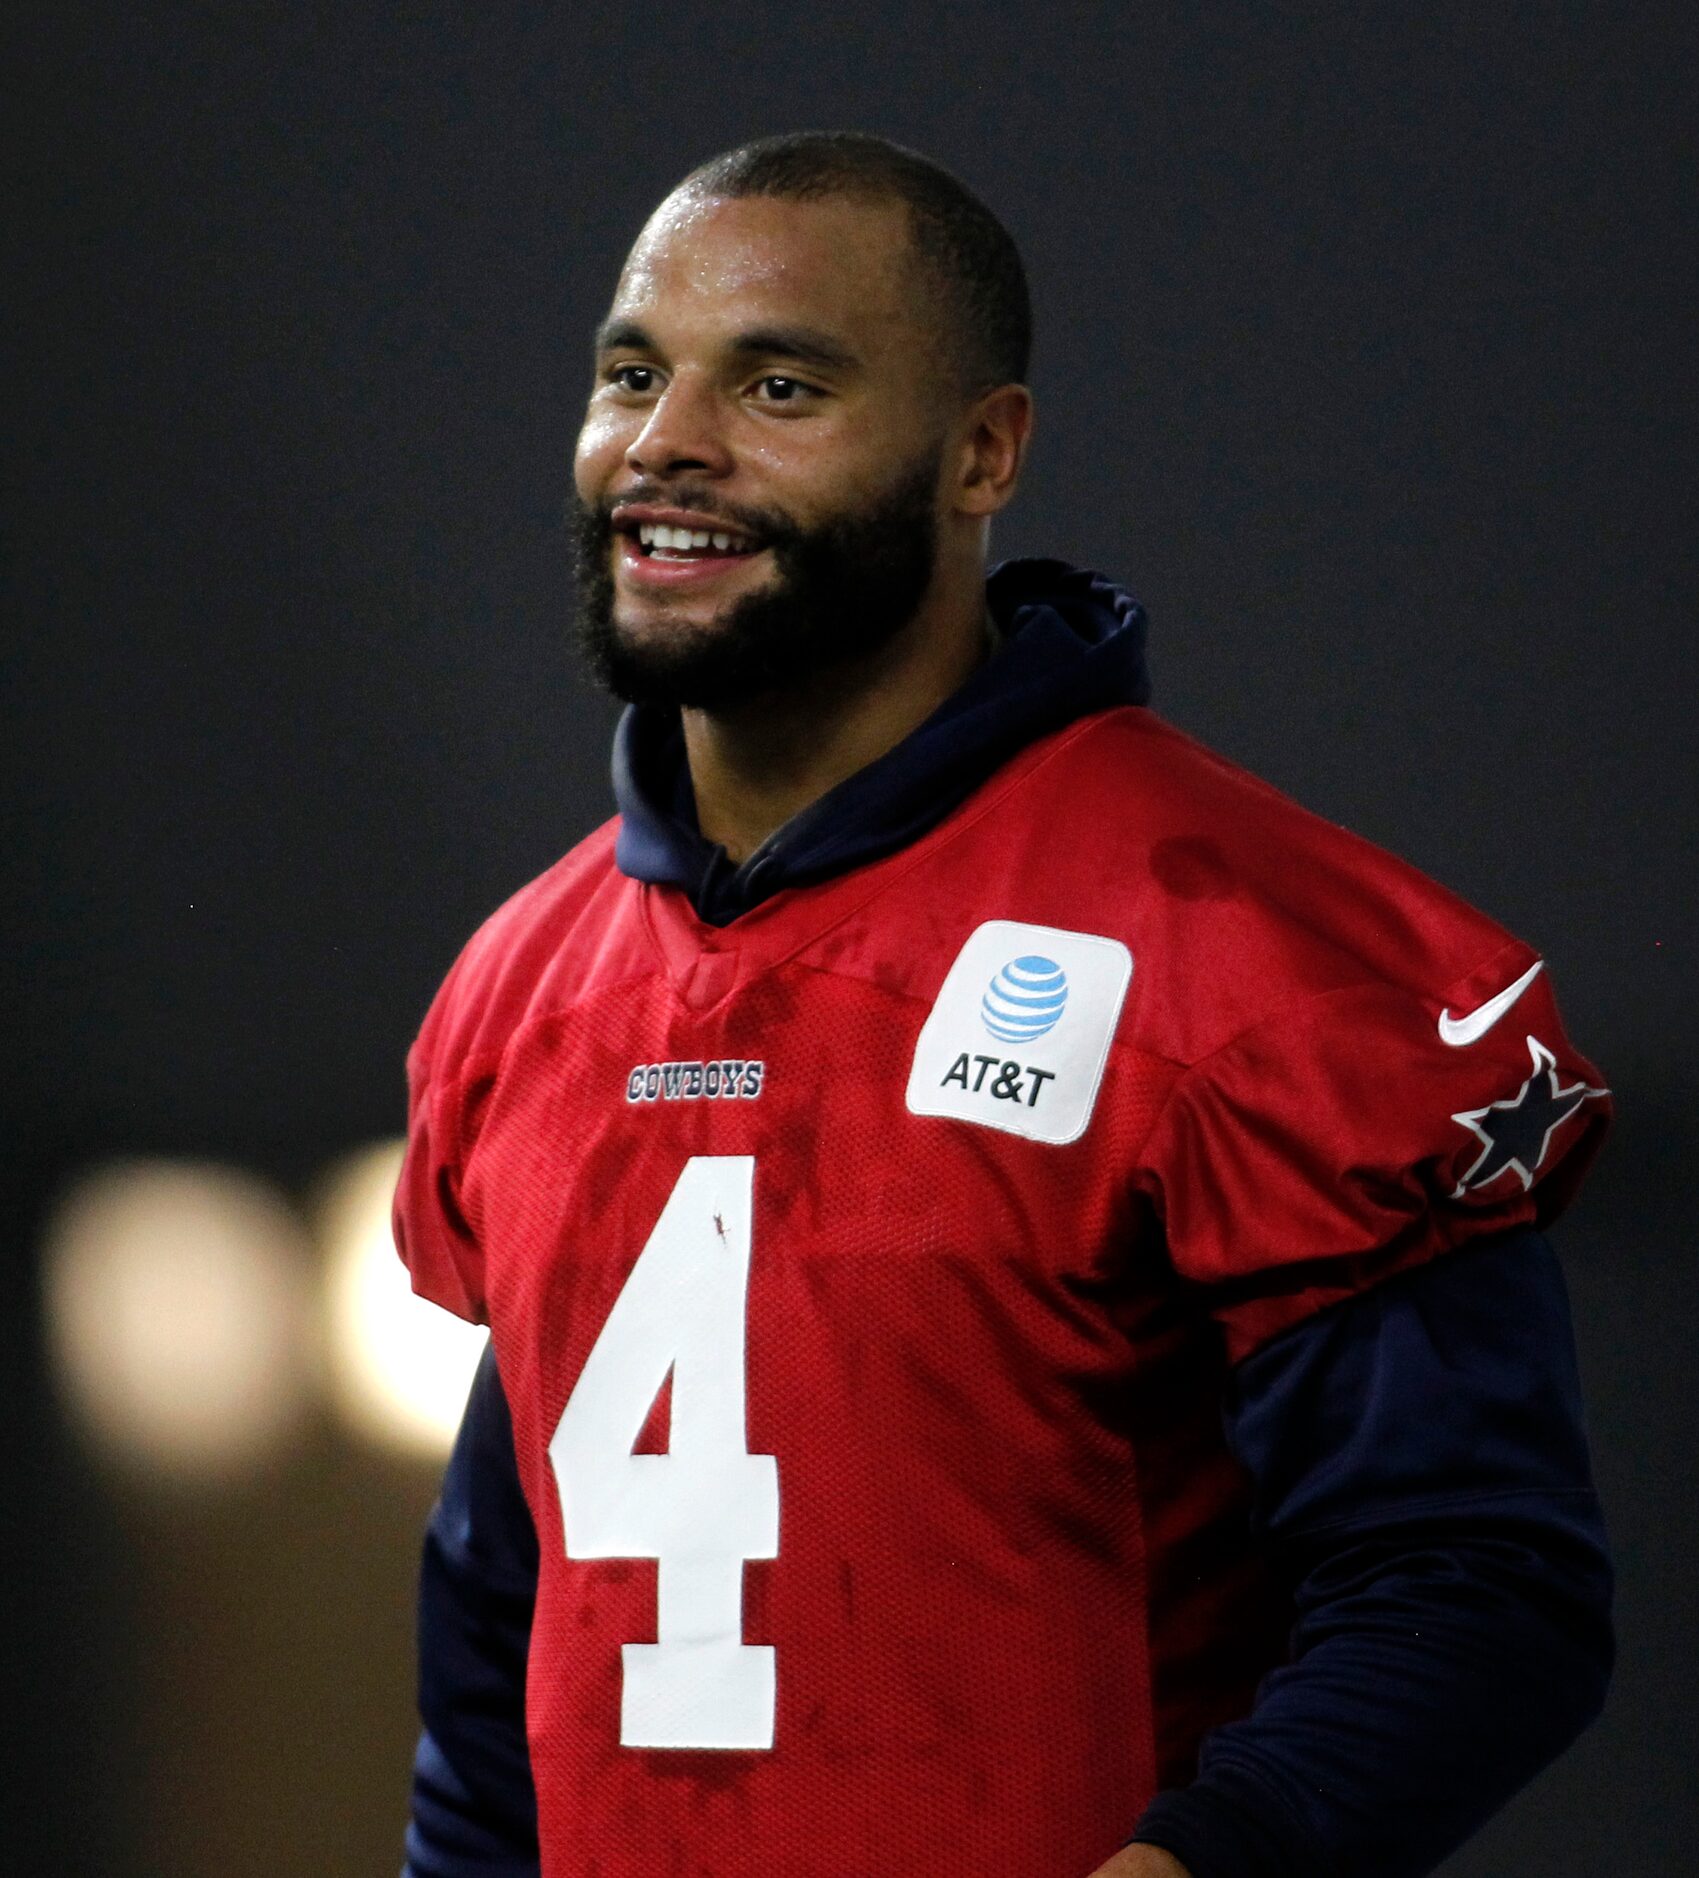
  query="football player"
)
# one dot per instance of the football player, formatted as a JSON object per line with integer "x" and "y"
{"x": 1021, "y": 1340}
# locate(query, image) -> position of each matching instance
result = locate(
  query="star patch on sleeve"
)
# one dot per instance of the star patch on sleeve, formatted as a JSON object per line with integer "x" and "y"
{"x": 1516, "y": 1133}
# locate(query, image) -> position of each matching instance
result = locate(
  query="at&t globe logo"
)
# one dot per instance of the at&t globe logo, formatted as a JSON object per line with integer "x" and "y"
{"x": 1025, "y": 1000}
{"x": 1045, "y": 1003}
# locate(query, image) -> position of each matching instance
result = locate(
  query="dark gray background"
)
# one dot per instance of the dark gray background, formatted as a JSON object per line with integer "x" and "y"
{"x": 1363, "y": 357}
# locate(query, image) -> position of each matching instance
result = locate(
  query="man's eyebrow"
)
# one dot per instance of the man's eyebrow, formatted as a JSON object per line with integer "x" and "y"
{"x": 622, "y": 332}
{"x": 802, "y": 343}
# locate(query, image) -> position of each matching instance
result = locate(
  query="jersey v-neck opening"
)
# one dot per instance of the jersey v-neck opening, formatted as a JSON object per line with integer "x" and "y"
{"x": 681, "y": 938}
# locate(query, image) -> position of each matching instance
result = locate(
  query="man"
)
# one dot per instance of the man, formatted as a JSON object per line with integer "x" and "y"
{"x": 1010, "y": 1248}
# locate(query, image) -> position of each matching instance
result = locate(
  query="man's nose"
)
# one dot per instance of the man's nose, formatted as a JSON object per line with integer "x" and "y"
{"x": 683, "y": 432}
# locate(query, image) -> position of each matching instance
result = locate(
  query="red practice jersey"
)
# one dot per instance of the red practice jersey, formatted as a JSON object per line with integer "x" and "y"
{"x": 864, "y": 1274}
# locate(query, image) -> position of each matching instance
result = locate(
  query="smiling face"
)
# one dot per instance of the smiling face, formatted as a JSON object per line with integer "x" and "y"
{"x": 760, "y": 472}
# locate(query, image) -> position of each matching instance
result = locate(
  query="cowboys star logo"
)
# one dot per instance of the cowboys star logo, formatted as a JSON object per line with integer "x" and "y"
{"x": 1515, "y": 1133}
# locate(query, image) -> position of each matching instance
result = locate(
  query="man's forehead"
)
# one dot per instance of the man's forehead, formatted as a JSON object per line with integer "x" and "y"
{"x": 840, "y": 258}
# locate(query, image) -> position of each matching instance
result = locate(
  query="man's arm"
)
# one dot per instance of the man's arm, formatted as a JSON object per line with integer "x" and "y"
{"x": 474, "y": 1809}
{"x": 1421, "y": 1474}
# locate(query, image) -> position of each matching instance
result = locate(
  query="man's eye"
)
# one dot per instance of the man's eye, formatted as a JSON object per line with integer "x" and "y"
{"x": 633, "y": 377}
{"x": 778, "y": 389}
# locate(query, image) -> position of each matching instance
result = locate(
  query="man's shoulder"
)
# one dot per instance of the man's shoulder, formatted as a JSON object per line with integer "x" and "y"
{"x": 551, "y": 934}
{"x": 1258, "y": 901}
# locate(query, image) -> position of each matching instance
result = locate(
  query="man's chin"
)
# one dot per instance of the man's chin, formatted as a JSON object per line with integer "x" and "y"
{"x": 643, "y": 625}
{"x": 673, "y": 656}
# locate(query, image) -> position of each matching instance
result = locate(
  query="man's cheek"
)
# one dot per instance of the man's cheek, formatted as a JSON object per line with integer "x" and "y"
{"x": 601, "y": 445}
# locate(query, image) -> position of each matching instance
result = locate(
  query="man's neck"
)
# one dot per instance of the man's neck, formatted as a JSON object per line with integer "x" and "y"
{"x": 753, "y": 769}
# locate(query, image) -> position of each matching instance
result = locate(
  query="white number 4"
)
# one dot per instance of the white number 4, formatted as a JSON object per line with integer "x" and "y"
{"x": 707, "y": 1504}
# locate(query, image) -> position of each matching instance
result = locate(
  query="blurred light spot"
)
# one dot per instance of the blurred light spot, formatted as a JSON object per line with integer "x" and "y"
{"x": 179, "y": 1314}
{"x": 400, "y": 1367}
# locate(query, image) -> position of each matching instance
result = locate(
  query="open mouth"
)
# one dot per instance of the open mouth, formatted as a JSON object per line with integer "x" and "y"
{"x": 660, "y": 541}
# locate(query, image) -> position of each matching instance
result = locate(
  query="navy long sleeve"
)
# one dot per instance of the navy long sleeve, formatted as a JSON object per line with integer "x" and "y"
{"x": 1422, "y": 1479}
{"x": 1421, "y": 1476}
{"x": 474, "y": 1809}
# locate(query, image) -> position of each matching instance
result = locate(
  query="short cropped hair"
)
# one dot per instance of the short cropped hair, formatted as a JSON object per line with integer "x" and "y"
{"x": 972, "y": 256}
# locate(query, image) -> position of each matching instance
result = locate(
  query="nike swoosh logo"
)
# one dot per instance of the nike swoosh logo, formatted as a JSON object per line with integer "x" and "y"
{"x": 1458, "y": 1031}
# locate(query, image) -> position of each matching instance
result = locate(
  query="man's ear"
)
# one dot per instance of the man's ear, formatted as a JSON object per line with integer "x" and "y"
{"x": 996, "y": 432}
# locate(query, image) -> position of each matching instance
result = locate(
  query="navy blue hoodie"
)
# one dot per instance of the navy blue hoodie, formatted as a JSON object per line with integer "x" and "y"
{"x": 1418, "y": 1453}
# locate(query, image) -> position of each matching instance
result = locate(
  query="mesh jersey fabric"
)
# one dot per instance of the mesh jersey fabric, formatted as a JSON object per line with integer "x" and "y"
{"x": 1012, "y": 1584}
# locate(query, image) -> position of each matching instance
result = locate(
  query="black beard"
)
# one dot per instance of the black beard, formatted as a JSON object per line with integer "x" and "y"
{"x": 841, "y": 592}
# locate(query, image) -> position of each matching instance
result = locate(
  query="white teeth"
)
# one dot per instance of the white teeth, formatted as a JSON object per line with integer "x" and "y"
{"x": 662, "y": 536}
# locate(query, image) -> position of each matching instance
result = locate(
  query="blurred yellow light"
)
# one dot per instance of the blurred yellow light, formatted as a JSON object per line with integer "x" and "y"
{"x": 400, "y": 1367}
{"x": 179, "y": 1315}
